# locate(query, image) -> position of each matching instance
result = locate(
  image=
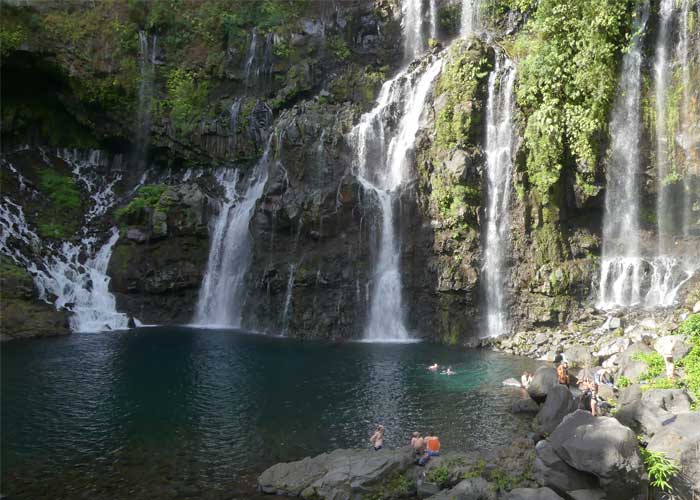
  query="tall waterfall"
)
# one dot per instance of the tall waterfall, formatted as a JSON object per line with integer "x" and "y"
{"x": 632, "y": 273}
{"x": 222, "y": 294}
{"x": 470, "y": 17}
{"x": 414, "y": 44}
{"x": 147, "y": 59}
{"x": 74, "y": 275}
{"x": 661, "y": 85}
{"x": 382, "y": 156}
{"x": 620, "y": 282}
{"x": 499, "y": 167}
{"x": 433, "y": 19}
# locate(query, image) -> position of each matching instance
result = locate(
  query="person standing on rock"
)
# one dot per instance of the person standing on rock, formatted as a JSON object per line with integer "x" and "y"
{"x": 377, "y": 438}
{"x": 563, "y": 374}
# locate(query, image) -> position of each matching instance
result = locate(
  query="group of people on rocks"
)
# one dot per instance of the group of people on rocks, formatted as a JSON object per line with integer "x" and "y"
{"x": 424, "y": 447}
{"x": 587, "y": 386}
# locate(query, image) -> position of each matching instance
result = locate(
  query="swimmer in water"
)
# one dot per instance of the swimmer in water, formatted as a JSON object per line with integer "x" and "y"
{"x": 433, "y": 368}
{"x": 448, "y": 371}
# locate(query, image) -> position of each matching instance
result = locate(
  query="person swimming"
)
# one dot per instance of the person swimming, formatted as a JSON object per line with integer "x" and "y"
{"x": 433, "y": 367}
{"x": 448, "y": 371}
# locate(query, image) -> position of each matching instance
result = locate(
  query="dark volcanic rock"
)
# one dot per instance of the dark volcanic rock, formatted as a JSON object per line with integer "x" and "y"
{"x": 543, "y": 380}
{"x": 559, "y": 403}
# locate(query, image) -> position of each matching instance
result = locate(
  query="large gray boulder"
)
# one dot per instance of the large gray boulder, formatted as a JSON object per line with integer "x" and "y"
{"x": 525, "y": 406}
{"x": 680, "y": 441}
{"x": 646, "y": 414}
{"x": 476, "y": 488}
{"x": 550, "y": 470}
{"x": 542, "y": 381}
{"x": 531, "y": 494}
{"x": 629, "y": 367}
{"x": 579, "y": 356}
{"x": 338, "y": 475}
{"x": 559, "y": 403}
{"x": 603, "y": 447}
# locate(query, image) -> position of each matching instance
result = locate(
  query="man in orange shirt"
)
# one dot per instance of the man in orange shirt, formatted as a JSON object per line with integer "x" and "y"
{"x": 432, "y": 449}
{"x": 563, "y": 373}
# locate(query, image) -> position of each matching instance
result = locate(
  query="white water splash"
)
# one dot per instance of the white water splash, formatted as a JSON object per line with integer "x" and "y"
{"x": 381, "y": 168}
{"x": 499, "y": 167}
{"x": 222, "y": 294}
{"x": 433, "y": 19}
{"x": 414, "y": 44}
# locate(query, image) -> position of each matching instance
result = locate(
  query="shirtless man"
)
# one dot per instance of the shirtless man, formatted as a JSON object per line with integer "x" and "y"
{"x": 418, "y": 443}
{"x": 433, "y": 367}
{"x": 377, "y": 438}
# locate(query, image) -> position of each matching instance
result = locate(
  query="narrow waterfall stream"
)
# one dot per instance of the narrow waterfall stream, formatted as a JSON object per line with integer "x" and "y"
{"x": 499, "y": 167}
{"x": 147, "y": 59}
{"x": 470, "y": 17}
{"x": 381, "y": 158}
{"x": 414, "y": 45}
{"x": 222, "y": 294}
{"x": 635, "y": 274}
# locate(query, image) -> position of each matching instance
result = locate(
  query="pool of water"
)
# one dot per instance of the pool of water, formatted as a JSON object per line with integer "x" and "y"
{"x": 186, "y": 413}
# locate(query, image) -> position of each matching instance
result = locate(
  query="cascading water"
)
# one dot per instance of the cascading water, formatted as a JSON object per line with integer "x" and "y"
{"x": 412, "y": 27}
{"x": 661, "y": 84}
{"x": 630, "y": 274}
{"x": 234, "y": 112}
{"x": 470, "y": 17}
{"x": 499, "y": 167}
{"x": 433, "y": 19}
{"x": 73, "y": 276}
{"x": 222, "y": 293}
{"x": 381, "y": 163}
{"x": 255, "y": 65}
{"x": 147, "y": 59}
{"x": 288, "y": 299}
{"x": 621, "y": 267}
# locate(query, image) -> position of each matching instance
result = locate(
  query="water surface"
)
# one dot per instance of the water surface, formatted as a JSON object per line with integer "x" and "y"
{"x": 186, "y": 413}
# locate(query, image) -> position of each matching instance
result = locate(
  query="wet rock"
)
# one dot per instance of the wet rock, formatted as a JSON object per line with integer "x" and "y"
{"x": 559, "y": 403}
{"x": 340, "y": 474}
{"x": 137, "y": 235}
{"x": 680, "y": 441}
{"x": 542, "y": 381}
{"x": 531, "y": 494}
{"x": 603, "y": 447}
{"x": 469, "y": 489}
{"x": 525, "y": 406}
{"x": 592, "y": 494}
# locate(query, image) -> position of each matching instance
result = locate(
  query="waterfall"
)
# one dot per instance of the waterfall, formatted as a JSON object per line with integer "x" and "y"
{"x": 222, "y": 293}
{"x": 250, "y": 56}
{"x": 413, "y": 29}
{"x": 288, "y": 299}
{"x": 147, "y": 58}
{"x": 470, "y": 17}
{"x": 234, "y": 111}
{"x": 630, "y": 274}
{"x": 254, "y": 67}
{"x": 433, "y": 19}
{"x": 499, "y": 167}
{"x": 74, "y": 275}
{"x": 621, "y": 268}
{"x": 661, "y": 84}
{"x": 382, "y": 156}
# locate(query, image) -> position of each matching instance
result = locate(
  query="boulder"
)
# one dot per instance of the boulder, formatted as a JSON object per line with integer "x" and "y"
{"x": 646, "y": 414}
{"x": 338, "y": 475}
{"x": 594, "y": 494}
{"x": 696, "y": 307}
{"x": 680, "y": 441}
{"x": 525, "y": 406}
{"x": 629, "y": 367}
{"x": 542, "y": 381}
{"x": 552, "y": 471}
{"x": 603, "y": 447}
{"x": 579, "y": 356}
{"x": 672, "y": 346}
{"x": 531, "y": 494}
{"x": 559, "y": 403}
{"x": 511, "y": 382}
{"x": 615, "y": 346}
{"x": 476, "y": 488}
{"x": 606, "y": 392}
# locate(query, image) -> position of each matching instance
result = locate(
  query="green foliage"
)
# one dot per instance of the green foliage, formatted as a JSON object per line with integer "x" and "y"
{"x": 623, "y": 381}
{"x": 339, "y": 48}
{"x": 439, "y": 475}
{"x": 60, "y": 188}
{"x": 449, "y": 18}
{"x": 187, "y": 98}
{"x": 691, "y": 367}
{"x": 660, "y": 469}
{"x": 663, "y": 383}
{"x": 691, "y": 327}
{"x": 459, "y": 82}
{"x": 149, "y": 196}
{"x": 12, "y": 33}
{"x": 476, "y": 471}
{"x": 567, "y": 82}
{"x": 655, "y": 365}
{"x": 51, "y": 230}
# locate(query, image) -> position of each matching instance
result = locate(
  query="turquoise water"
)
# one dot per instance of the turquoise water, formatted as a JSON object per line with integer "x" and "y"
{"x": 187, "y": 413}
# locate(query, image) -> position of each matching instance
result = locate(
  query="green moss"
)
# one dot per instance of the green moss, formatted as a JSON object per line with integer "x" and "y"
{"x": 449, "y": 16}
{"x": 655, "y": 365}
{"x": 61, "y": 189}
{"x": 549, "y": 244}
{"x": 187, "y": 99}
{"x": 439, "y": 475}
{"x": 149, "y": 196}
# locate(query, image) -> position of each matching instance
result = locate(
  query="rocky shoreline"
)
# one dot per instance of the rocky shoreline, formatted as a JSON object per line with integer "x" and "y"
{"x": 569, "y": 454}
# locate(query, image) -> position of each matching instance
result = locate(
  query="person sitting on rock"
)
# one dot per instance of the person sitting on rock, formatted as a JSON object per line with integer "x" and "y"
{"x": 432, "y": 449}
{"x": 563, "y": 374}
{"x": 433, "y": 367}
{"x": 377, "y": 438}
{"x": 603, "y": 377}
{"x": 525, "y": 379}
{"x": 418, "y": 443}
